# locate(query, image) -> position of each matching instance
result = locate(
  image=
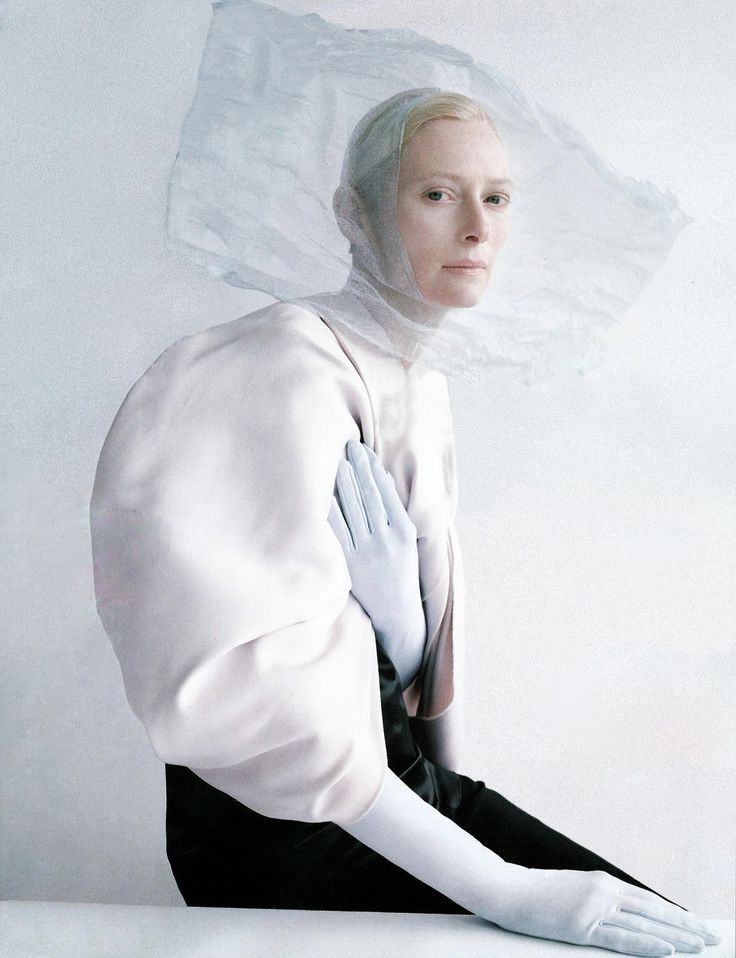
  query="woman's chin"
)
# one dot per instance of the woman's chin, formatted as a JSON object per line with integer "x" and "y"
{"x": 463, "y": 292}
{"x": 457, "y": 299}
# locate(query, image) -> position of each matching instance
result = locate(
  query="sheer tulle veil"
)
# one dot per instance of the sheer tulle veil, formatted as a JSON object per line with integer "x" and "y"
{"x": 262, "y": 194}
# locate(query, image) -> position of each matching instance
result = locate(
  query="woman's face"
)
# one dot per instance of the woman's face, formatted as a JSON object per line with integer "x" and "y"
{"x": 451, "y": 207}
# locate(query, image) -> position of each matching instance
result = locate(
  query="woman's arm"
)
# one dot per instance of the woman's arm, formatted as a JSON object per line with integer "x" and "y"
{"x": 590, "y": 908}
{"x": 218, "y": 579}
{"x": 585, "y": 908}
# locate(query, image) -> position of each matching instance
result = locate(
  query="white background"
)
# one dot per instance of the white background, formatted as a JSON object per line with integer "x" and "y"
{"x": 596, "y": 514}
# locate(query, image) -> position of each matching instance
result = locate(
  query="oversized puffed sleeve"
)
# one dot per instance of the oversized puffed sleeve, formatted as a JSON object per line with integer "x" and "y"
{"x": 218, "y": 578}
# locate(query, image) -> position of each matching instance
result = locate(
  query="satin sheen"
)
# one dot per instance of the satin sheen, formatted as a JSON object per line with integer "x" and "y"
{"x": 221, "y": 585}
{"x": 223, "y": 854}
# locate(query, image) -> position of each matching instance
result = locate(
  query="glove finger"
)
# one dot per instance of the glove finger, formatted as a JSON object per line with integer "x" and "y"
{"x": 610, "y": 936}
{"x": 351, "y": 502}
{"x": 664, "y": 919}
{"x": 681, "y": 939}
{"x": 395, "y": 512}
{"x": 703, "y": 930}
{"x": 337, "y": 522}
{"x": 370, "y": 495}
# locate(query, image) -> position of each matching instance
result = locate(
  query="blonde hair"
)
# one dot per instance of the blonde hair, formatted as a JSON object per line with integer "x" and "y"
{"x": 443, "y": 105}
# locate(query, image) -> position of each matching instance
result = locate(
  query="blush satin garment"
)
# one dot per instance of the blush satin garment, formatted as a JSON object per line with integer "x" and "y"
{"x": 221, "y": 585}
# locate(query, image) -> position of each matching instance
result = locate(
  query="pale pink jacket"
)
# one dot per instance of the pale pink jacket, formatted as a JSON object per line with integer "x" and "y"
{"x": 221, "y": 584}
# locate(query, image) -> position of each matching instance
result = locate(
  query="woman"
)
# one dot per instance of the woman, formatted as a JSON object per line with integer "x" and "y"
{"x": 307, "y": 672}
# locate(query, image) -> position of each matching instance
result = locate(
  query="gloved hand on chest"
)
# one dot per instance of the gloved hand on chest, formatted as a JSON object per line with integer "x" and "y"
{"x": 380, "y": 545}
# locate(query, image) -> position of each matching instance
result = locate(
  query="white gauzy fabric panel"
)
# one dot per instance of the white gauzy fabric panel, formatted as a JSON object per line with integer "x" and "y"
{"x": 263, "y": 148}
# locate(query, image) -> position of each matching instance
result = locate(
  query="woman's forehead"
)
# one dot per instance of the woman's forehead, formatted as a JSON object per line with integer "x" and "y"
{"x": 459, "y": 149}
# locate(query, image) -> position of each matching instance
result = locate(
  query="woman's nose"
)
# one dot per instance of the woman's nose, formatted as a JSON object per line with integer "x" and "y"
{"x": 475, "y": 222}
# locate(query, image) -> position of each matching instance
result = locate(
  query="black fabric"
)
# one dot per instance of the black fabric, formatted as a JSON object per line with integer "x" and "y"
{"x": 224, "y": 854}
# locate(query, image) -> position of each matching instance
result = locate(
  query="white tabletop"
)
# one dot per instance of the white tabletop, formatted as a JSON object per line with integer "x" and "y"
{"x": 71, "y": 930}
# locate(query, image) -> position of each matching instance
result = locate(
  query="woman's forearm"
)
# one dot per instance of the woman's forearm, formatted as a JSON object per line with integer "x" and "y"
{"x": 414, "y": 835}
{"x": 405, "y": 647}
{"x": 586, "y": 908}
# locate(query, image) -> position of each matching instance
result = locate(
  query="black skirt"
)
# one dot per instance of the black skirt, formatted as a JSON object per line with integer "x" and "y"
{"x": 226, "y": 855}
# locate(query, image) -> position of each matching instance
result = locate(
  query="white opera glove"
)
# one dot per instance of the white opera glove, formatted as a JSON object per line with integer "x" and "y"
{"x": 584, "y": 908}
{"x": 594, "y": 908}
{"x": 380, "y": 545}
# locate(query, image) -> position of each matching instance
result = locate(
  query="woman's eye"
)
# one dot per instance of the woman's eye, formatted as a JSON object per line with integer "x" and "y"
{"x": 495, "y": 199}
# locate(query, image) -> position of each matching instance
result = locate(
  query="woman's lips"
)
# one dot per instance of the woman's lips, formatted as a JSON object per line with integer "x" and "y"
{"x": 465, "y": 269}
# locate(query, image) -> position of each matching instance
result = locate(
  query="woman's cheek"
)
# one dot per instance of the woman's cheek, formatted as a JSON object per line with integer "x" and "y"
{"x": 502, "y": 233}
{"x": 412, "y": 227}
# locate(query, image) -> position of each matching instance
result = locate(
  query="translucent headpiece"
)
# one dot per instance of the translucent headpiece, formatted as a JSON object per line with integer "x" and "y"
{"x": 290, "y": 111}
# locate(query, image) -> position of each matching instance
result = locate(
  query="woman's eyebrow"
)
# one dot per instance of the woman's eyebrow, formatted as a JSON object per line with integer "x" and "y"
{"x": 439, "y": 174}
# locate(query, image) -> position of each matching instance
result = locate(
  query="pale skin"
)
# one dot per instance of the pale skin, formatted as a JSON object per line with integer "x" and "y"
{"x": 452, "y": 195}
